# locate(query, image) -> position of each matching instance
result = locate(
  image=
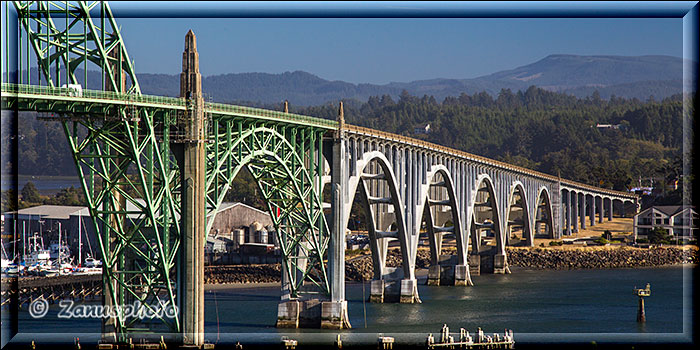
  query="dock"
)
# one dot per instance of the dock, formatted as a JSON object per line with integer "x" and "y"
{"x": 466, "y": 341}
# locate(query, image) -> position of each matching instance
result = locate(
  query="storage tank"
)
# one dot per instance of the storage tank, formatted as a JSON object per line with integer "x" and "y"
{"x": 238, "y": 237}
{"x": 263, "y": 236}
{"x": 254, "y": 232}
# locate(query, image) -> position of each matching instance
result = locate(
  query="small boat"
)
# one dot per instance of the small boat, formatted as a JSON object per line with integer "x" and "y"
{"x": 49, "y": 273}
{"x": 13, "y": 269}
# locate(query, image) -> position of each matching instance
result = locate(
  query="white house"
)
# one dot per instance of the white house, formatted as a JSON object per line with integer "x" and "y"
{"x": 421, "y": 129}
{"x": 681, "y": 222}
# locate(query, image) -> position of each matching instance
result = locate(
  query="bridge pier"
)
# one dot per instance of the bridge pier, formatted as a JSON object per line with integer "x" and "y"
{"x": 462, "y": 276}
{"x": 449, "y": 272}
{"x": 334, "y": 313}
{"x": 582, "y": 211}
{"x": 475, "y": 264}
{"x": 376, "y": 291}
{"x": 312, "y": 313}
{"x": 409, "y": 291}
{"x": 434, "y": 273}
{"x": 500, "y": 265}
{"x": 191, "y": 158}
{"x": 574, "y": 212}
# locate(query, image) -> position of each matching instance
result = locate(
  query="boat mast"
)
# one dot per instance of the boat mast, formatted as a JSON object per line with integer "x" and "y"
{"x": 80, "y": 241}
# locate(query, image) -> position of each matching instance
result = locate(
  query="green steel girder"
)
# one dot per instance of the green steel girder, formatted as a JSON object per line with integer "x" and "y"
{"x": 120, "y": 145}
{"x": 284, "y": 160}
{"x": 69, "y": 44}
{"x": 134, "y": 202}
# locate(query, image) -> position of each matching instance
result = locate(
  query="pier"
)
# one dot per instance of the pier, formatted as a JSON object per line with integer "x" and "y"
{"x": 74, "y": 287}
{"x": 466, "y": 341}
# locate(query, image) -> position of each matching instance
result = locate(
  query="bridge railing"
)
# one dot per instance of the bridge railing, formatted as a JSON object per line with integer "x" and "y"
{"x": 89, "y": 94}
{"x": 267, "y": 113}
{"x": 162, "y": 100}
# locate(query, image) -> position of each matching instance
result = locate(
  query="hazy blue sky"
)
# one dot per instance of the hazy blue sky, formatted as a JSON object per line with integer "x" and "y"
{"x": 380, "y": 50}
{"x": 385, "y": 50}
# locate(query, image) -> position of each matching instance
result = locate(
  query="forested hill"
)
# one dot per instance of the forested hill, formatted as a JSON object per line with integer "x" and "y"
{"x": 538, "y": 129}
{"x": 621, "y": 76}
{"x": 542, "y": 130}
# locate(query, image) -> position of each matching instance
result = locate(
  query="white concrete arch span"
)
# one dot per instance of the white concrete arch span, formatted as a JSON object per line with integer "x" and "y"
{"x": 544, "y": 215}
{"x": 438, "y": 194}
{"x": 518, "y": 216}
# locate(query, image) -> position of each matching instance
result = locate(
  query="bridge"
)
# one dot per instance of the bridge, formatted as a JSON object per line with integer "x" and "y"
{"x": 156, "y": 169}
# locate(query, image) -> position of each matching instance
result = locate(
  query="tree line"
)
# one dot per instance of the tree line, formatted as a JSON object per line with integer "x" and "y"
{"x": 542, "y": 130}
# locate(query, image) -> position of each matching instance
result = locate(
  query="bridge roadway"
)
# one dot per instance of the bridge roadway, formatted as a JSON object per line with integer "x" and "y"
{"x": 155, "y": 171}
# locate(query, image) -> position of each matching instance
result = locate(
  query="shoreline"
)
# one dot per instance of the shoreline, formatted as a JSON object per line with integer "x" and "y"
{"x": 421, "y": 274}
{"x": 535, "y": 259}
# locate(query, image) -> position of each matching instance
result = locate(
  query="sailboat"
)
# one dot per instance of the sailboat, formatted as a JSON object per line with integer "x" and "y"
{"x": 92, "y": 265}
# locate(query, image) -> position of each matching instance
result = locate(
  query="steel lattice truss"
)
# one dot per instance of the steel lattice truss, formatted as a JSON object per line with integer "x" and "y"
{"x": 64, "y": 36}
{"x": 125, "y": 170}
{"x": 121, "y": 144}
{"x": 287, "y": 165}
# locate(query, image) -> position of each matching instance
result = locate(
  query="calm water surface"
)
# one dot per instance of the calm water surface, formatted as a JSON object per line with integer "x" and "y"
{"x": 537, "y": 305}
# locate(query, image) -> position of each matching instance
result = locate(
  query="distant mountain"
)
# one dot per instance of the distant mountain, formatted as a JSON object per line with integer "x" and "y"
{"x": 623, "y": 76}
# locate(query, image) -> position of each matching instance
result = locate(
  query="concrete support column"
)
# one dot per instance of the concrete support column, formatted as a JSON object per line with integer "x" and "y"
{"x": 334, "y": 313}
{"x": 574, "y": 211}
{"x": 568, "y": 213}
{"x": 610, "y": 209}
{"x": 591, "y": 212}
{"x": 474, "y": 263}
{"x": 192, "y": 161}
{"x": 601, "y": 212}
{"x": 434, "y": 275}
{"x": 582, "y": 211}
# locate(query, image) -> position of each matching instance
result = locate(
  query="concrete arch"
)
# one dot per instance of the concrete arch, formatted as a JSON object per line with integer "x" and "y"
{"x": 543, "y": 194}
{"x": 434, "y": 235}
{"x": 496, "y": 218}
{"x": 526, "y": 222}
{"x": 387, "y": 174}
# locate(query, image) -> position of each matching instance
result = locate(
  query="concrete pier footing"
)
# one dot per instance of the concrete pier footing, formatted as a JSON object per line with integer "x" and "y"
{"x": 462, "y": 276}
{"x": 440, "y": 275}
{"x": 474, "y": 264}
{"x": 434, "y": 275}
{"x": 288, "y": 314}
{"x": 310, "y": 314}
{"x": 376, "y": 294}
{"x": 409, "y": 291}
{"x": 334, "y": 315}
{"x": 499, "y": 264}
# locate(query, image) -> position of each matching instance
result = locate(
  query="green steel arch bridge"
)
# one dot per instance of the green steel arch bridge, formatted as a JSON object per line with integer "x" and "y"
{"x": 156, "y": 169}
